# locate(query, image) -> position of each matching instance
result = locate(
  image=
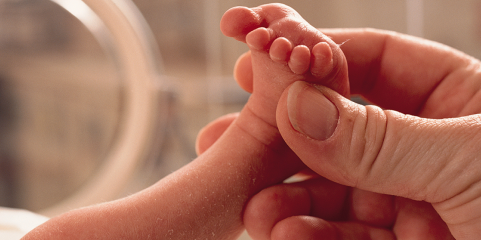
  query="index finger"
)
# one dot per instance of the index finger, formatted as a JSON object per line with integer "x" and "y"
{"x": 405, "y": 73}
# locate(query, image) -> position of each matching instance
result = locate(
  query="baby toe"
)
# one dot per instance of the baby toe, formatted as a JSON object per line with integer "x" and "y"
{"x": 300, "y": 59}
{"x": 322, "y": 60}
{"x": 258, "y": 39}
{"x": 280, "y": 50}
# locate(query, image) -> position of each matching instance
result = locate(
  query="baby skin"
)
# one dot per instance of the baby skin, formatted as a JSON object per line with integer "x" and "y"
{"x": 206, "y": 198}
{"x": 284, "y": 49}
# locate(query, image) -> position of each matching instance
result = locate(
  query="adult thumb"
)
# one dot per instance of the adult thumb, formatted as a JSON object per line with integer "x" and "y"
{"x": 435, "y": 160}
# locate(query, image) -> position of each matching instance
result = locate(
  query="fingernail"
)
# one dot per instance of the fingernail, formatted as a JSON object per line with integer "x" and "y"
{"x": 310, "y": 112}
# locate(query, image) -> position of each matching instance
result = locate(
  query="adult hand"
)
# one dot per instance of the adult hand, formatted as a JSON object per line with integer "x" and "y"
{"x": 373, "y": 154}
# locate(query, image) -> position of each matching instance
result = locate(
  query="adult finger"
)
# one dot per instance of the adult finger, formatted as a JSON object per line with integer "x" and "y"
{"x": 361, "y": 212}
{"x": 418, "y": 220}
{"x": 319, "y": 197}
{"x": 210, "y": 133}
{"x": 308, "y": 227}
{"x": 312, "y": 209}
{"x": 243, "y": 72}
{"x": 386, "y": 151}
{"x": 409, "y": 74}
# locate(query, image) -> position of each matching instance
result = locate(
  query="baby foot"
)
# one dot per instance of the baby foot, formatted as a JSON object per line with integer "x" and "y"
{"x": 285, "y": 48}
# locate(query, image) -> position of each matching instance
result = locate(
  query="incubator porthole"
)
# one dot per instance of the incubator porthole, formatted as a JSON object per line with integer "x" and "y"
{"x": 67, "y": 97}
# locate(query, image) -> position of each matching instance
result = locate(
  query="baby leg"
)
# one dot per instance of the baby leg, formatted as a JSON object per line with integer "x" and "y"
{"x": 206, "y": 198}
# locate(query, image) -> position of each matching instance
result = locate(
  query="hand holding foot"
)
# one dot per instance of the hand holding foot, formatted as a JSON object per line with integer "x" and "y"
{"x": 382, "y": 153}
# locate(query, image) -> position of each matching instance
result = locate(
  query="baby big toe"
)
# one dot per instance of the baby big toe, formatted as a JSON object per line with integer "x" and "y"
{"x": 237, "y": 22}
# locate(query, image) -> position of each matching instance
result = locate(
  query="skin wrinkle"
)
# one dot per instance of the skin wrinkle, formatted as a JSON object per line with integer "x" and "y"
{"x": 363, "y": 150}
{"x": 398, "y": 158}
{"x": 470, "y": 174}
{"x": 447, "y": 206}
{"x": 423, "y": 150}
{"x": 268, "y": 16}
{"x": 444, "y": 179}
{"x": 269, "y": 145}
{"x": 303, "y": 37}
{"x": 376, "y": 150}
{"x": 440, "y": 181}
{"x": 353, "y": 155}
{"x": 432, "y": 173}
{"x": 462, "y": 191}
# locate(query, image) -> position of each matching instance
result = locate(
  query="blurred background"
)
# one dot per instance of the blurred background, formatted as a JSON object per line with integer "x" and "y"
{"x": 61, "y": 95}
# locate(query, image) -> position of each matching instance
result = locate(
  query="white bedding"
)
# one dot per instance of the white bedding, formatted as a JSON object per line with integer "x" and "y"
{"x": 14, "y": 223}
